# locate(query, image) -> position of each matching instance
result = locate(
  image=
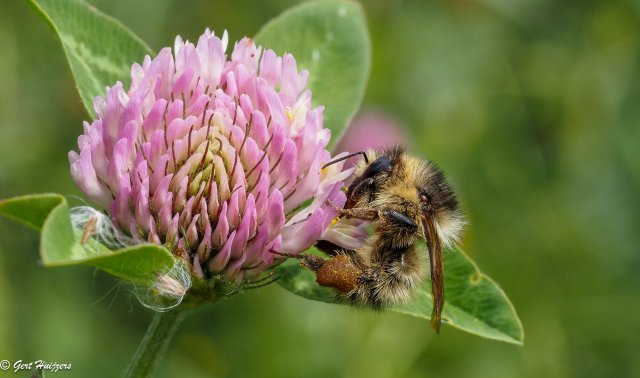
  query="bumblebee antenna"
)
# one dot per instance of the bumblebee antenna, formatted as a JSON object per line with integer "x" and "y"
{"x": 435, "y": 263}
{"x": 271, "y": 277}
{"x": 364, "y": 154}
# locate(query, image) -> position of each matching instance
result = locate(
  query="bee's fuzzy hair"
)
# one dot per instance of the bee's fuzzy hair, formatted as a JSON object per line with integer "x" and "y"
{"x": 449, "y": 220}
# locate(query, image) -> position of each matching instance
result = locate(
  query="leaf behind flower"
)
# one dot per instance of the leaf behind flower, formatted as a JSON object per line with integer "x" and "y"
{"x": 474, "y": 302}
{"x": 330, "y": 39}
{"x": 99, "y": 49}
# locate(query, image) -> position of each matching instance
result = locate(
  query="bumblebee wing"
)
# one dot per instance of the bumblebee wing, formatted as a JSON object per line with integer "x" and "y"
{"x": 437, "y": 278}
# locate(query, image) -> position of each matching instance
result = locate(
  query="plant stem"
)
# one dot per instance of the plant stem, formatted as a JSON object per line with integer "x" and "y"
{"x": 154, "y": 344}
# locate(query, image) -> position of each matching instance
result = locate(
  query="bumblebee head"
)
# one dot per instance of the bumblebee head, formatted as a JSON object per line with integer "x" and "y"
{"x": 392, "y": 176}
{"x": 374, "y": 173}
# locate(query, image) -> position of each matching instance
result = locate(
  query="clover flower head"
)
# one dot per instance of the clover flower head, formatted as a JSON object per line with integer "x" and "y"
{"x": 220, "y": 159}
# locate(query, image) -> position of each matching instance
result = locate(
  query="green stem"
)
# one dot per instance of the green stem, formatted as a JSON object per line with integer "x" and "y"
{"x": 154, "y": 344}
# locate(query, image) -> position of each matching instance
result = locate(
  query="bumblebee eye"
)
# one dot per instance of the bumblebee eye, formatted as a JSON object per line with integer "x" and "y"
{"x": 423, "y": 196}
{"x": 367, "y": 183}
{"x": 382, "y": 164}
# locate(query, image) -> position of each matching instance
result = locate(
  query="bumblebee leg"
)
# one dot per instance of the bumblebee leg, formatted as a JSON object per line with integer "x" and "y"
{"x": 365, "y": 213}
{"x": 271, "y": 277}
{"x": 338, "y": 272}
{"x": 312, "y": 262}
{"x": 369, "y": 214}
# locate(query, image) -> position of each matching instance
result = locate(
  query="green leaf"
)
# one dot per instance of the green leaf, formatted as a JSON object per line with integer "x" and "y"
{"x": 330, "y": 39}
{"x": 60, "y": 244}
{"x": 30, "y": 210}
{"x": 100, "y": 50}
{"x": 139, "y": 264}
{"x": 302, "y": 282}
{"x": 474, "y": 302}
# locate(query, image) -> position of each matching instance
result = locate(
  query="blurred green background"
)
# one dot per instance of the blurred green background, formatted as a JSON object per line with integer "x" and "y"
{"x": 531, "y": 107}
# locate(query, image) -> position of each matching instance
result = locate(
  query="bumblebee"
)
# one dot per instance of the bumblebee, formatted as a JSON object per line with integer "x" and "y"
{"x": 406, "y": 199}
